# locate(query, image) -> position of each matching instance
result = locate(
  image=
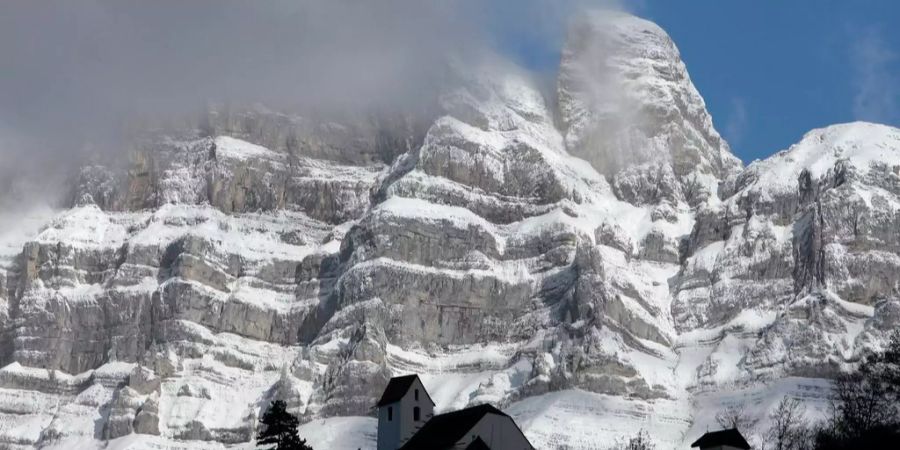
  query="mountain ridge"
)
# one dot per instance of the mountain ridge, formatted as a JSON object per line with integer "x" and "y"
{"x": 506, "y": 259}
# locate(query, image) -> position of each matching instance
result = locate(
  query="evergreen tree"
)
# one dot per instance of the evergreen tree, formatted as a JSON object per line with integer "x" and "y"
{"x": 280, "y": 429}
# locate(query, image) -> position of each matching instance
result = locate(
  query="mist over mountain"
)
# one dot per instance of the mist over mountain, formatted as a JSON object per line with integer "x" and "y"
{"x": 300, "y": 200}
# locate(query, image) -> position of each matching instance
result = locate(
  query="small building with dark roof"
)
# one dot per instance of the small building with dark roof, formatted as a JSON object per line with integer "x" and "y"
{"x": 730, "y": 439}
{"x": 403, "y": 409}
{"x": 481, "y": 427}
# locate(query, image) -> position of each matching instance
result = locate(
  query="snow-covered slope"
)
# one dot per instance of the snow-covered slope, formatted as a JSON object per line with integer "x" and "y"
{"x": 807, "y": 239}
{"x": 628, "y": 106}
{"x": 594, "y": 267}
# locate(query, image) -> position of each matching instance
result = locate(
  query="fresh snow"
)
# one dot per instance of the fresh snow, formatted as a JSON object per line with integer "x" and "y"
{"x": 235, "y": 148}
{"x": 861, "y": 144}
{"x": 223, "y": 380}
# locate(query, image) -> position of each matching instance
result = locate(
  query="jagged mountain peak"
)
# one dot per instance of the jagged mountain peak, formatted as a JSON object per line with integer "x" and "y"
{"x": 626, "y": 100}
{"x": 644, "y": 35}
{"x": 590, "y": 269}
{"x": 859, "y": 143}
{"x": 836, "y": 150}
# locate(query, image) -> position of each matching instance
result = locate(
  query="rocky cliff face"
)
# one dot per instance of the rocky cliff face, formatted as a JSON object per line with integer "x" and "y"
{"x": 605, "y": 257}
{"x": 805, "y": 237}
{"x": 627, "y": 106}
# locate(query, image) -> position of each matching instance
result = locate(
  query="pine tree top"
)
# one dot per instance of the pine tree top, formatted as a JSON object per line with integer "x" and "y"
{"x": 279, "y": 430}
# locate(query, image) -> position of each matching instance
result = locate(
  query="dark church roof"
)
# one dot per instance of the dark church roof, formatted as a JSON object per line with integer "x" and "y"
{"x": 397, "y": 388}
{"x": 445, "y": 430}
{"x": 730, "y": 437}
{"x": 478, "y": 444}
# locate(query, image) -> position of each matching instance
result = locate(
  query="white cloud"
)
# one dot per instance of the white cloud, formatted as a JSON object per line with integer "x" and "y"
{"x": 875, "y": 78}
{"x": 74, "y": 69}
{"x": 736, "y": 125}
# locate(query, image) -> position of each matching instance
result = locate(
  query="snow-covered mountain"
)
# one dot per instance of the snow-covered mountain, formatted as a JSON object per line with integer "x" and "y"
{"x": 595, "y": 265}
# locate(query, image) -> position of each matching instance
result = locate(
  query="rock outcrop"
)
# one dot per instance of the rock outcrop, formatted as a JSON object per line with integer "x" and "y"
{"x": 605, "y": 255}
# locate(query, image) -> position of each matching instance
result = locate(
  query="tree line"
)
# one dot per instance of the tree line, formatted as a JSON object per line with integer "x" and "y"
{"x": 864, "y": 411}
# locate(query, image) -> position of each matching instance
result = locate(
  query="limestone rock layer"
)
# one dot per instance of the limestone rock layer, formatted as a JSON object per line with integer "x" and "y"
{"x": 600, "y": 255}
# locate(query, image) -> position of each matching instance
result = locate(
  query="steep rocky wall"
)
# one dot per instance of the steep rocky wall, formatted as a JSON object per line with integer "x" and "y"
{"x": 628, "y": 270}
{"x": 626, "y": 101}
{"x": 804, "y": 240}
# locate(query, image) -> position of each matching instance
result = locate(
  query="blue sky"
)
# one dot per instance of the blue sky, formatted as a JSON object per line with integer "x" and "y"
{"x": 769, "y": 70}
{"x": 772, "y": 70}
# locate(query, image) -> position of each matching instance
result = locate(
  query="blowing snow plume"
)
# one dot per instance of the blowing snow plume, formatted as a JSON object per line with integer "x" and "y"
{"x": 75, "y": 72}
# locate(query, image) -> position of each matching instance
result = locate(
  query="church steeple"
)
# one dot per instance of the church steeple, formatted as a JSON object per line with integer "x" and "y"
{"x": 403, "y": 408}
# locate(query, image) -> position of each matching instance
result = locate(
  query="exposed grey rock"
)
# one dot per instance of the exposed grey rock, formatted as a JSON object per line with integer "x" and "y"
{"x": 278, "y": 257}
{"x": 147, "y": 419}
{"x": 143, "y": 380}
{"x": 626, "y": 102}
{"x": 122, "y": 413}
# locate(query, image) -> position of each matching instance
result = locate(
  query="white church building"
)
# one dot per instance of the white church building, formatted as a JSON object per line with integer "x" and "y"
{"x": 406, "y": 421}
